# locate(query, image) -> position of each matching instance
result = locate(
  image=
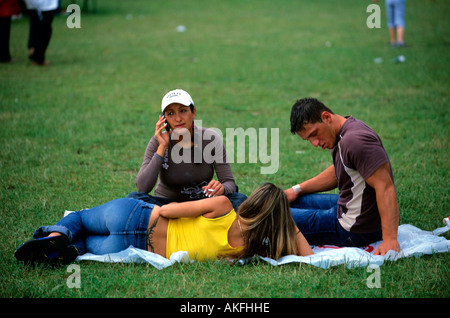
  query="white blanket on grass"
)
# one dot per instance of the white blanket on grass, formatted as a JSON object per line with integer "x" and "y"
{"x": 413, "y": 242}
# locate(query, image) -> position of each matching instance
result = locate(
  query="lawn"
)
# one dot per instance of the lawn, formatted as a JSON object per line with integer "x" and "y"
{"x": 73, "y": 134}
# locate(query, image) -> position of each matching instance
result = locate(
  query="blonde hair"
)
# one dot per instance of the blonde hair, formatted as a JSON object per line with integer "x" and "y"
{"x": 270, "y": 230}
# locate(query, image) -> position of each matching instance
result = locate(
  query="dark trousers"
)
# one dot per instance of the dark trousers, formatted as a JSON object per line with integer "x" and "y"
{"x": 5, "y": 31}
{"x": 40, "y": 34}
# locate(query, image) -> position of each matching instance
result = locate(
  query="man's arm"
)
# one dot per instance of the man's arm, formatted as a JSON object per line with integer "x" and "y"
{"x": 324, "y": 181}
{"x": 387, "y": 203}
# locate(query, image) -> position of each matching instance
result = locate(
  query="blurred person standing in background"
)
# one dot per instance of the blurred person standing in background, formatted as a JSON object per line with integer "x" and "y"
{"x": 8, "y": 8}
{"x": 395, "y": 12}
{"x": 42, "y": 13}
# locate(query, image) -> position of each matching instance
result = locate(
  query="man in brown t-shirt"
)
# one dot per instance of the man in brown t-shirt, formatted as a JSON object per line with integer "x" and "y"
{"x": 366, "y": 209}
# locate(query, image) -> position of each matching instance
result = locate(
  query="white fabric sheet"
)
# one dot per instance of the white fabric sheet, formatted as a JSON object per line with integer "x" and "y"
{"x": 413, "y": 242}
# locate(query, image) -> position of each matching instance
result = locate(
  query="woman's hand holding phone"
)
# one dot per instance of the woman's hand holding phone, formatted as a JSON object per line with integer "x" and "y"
{"x": 162, "y": 135}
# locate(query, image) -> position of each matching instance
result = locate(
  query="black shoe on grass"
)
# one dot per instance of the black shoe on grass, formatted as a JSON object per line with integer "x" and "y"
{"x": 50, "y": 249}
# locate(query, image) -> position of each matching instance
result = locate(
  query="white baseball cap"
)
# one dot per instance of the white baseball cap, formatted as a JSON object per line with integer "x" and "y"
{"x": 178, "y": 96}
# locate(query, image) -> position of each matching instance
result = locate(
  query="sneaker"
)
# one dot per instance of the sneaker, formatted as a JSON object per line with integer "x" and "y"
{"x": 41, "y": 249}
{"x": 65, "y": 256}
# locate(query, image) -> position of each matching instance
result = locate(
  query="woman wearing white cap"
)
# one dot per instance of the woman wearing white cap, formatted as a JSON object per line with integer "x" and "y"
{"x": 184, "y": 157}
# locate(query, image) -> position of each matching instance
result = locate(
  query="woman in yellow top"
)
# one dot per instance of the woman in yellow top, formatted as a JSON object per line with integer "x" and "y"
{"x": 206, "y": 229}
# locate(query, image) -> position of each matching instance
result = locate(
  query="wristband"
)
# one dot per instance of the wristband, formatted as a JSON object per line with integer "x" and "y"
{"x": 297, "y": 188}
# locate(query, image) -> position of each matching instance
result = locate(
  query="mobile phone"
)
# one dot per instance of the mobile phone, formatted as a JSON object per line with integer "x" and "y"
{"x": 167, "y": 124}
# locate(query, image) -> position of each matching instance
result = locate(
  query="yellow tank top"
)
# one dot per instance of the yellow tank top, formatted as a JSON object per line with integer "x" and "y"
{"x": 201, "y": 237}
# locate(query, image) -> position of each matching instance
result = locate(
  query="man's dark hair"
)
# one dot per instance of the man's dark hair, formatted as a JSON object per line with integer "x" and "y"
{"x": 306, "y": 111}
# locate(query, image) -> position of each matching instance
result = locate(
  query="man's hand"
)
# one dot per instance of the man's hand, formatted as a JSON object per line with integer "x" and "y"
{"x": 386, "y": 246}
{"x": 291, "y": 195}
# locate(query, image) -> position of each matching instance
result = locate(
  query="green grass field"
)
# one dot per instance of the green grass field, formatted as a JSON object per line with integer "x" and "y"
{"x": 73, "y": 134}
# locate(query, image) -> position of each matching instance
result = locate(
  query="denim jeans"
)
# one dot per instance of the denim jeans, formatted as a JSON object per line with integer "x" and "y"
{"x": 316, "y": 217}
{"x": 395, "y": 11}
{"x": 108, "y": 228}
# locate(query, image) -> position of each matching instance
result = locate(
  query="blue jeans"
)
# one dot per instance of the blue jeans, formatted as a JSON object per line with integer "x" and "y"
{"x": 108, "y": 228}
{"x": 316, "y": 217}
{"x": 395, "y": 11}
